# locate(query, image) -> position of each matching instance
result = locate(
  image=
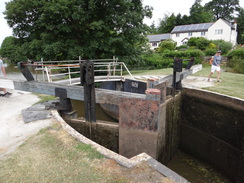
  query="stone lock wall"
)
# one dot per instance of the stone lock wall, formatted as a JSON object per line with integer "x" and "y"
{"x": 212, "y": 129}
{"x": 138, "y": 127}
{"x": 149, "y": 126}
{"x": 101, "y": 132}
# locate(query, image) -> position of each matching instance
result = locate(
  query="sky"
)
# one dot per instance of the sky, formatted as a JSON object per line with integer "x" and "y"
{"x": 160, "y": 8}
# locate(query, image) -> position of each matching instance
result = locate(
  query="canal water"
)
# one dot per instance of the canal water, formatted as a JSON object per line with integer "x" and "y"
{"x": 184, "y": 164}
{"x": 13, "y": 73}
{"x": 100, "y": 114}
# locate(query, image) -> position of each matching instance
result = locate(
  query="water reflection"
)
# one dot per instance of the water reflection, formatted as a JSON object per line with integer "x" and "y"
{"x": 100, "y": 114}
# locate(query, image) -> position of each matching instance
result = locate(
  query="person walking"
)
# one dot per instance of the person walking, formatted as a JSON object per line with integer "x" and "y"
{"x": 216, "y": 65}
{"x": 3, "y": 72}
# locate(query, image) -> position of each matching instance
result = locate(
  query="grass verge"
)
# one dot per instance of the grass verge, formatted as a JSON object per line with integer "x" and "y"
{"x": 231, "y": 83}
{"x": 44, "y": 98}
{"x": 54, "y": 156}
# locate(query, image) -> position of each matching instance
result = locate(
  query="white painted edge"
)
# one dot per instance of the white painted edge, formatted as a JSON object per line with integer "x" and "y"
{"x": 196, "y": 68}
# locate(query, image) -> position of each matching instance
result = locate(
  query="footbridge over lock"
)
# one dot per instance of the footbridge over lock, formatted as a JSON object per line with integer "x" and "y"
{"x": 151, "y": 117}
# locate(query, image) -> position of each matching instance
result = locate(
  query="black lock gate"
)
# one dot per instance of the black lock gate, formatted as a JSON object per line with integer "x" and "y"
{"x": 87, "y": 80}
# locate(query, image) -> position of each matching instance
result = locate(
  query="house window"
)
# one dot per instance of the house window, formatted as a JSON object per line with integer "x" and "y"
{"x": 203, "y": 33}
{"x": 177, "y": 35}
{"x": 218, "y": 31}
{"x": 190, "y": 34}
{"x": 154, "y": 44}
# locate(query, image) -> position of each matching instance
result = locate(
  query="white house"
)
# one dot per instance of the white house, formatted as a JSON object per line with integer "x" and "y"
{"x": 220, "y": 29}
{"x": 155, "y": 39}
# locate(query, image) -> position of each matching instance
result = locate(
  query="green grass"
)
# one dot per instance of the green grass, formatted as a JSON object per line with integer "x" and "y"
{"x": 54, "y": 156}
{"x": 231, "y": 83}
{"x": 44, "y": 98}
{"x": 166, "y": 71}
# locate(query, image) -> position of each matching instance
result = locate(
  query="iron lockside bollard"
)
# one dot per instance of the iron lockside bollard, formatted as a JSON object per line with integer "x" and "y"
{"x": 177, "y": 68}
{"x": 87, "y": 80}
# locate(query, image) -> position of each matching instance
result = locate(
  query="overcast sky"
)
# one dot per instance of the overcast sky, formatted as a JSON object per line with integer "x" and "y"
{"x": 160, "y": 7}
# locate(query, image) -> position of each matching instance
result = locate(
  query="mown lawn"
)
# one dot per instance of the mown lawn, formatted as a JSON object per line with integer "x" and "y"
{"x": 55, "y": 156}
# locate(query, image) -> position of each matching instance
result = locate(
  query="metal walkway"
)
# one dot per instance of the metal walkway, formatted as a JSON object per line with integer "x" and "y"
{"x": 68, "y": 72}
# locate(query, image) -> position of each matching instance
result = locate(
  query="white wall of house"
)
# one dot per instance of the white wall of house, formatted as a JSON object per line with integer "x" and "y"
{"x": 154, "y": 45}
{"x": 220, "y": 30}
{"x": 234, "y": 37}
{"x": 181, "y": 38}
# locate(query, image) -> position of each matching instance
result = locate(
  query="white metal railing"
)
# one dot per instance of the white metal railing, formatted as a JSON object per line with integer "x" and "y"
{"x": 69, "y": 71}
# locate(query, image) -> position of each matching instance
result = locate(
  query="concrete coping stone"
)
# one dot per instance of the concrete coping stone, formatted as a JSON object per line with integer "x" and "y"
{"x": 128, "y": 163}
{"x": 153, "y": 79}
{"x": 153, "y": 91}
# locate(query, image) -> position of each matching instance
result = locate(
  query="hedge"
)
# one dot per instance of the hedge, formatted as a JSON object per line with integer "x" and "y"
{"x": 184, "y": 54}
{"x": 166, "y": 60}
{"x": 239, "y": 53}
{"x": 236, "y": 60}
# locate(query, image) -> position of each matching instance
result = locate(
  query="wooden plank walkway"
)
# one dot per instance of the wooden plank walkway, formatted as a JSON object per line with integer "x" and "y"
{"x": 75, "y": 92}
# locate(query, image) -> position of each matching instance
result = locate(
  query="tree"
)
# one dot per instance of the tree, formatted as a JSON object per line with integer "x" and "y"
{"x": 65, "y": 29}
{"x": 167, "y": 24}
{"x": 9, "y": 49}
{"x": 198, "y": 14}
{"x": 223, "y": 8}
{"x": 181, "y": 20}
{"x": 152, "y": 28}
{"x": 240, "y": 27}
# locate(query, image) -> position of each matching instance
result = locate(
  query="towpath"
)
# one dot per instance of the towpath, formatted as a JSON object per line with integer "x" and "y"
{"x": 14, "y": 131}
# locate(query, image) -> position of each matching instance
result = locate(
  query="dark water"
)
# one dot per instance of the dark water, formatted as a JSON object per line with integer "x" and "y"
{"x": 195, "y": 170}
{"x": 100, "y": 114}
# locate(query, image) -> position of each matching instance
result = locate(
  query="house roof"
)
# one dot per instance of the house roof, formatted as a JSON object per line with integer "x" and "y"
{"x": 192, "y": 28}
{"x": 158, "y": 37}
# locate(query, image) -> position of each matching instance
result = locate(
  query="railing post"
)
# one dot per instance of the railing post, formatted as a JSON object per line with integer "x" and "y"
{"x": 69, "y": 76}
{"x": 48, "y": 76}
{"x": 43, "y": 77}
{"x": 87, "y": 80}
